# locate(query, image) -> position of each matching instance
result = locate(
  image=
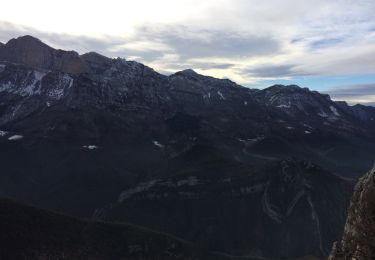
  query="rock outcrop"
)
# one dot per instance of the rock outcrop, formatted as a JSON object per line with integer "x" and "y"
{"x": 358, "y": 241}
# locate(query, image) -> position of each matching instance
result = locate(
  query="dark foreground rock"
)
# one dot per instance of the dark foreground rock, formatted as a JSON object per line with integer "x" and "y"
{"x": 358, "y": 241}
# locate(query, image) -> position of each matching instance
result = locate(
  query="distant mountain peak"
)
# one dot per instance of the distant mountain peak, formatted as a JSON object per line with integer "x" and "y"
{"x": 94, "y": 55}
{"x": 188, "y": 72}
{"x": 287, "y": 87}
{"x": 96, "y": 61}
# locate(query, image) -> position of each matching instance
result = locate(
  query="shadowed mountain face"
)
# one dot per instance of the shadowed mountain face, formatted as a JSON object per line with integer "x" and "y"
{"x": 124, "y": 101}
{"x": 281, "y": 210}
{"x": 78, "y": 130}
{"x": 31, "y": 233}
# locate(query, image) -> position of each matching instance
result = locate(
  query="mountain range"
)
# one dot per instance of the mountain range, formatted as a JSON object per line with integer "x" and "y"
{"x": 242, "y": 170}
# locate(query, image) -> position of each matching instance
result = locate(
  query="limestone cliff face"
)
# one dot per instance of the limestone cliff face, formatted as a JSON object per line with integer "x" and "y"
{"x": 358, "y": 241}
{"x": 32, "y": 52}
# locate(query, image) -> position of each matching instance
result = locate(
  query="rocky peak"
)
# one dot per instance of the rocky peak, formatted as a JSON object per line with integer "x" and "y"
{"x": 32, "y": 52}
{"x": 294, "y": 99}
{"x": 189, "y": 80}
{"x": 96, "y": 62}
{"x": 281, "y": 87}
{"x": 358, "y": 240}
{"x": 188, "y": 72}
{"x": 95, "y": 57}
{"x": 27, "y": 40}
{"x": 292, "y": 89}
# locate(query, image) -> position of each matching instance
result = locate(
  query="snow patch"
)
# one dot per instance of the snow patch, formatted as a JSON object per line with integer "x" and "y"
{"x": 290, "y": 127}
{"x": 15, "y": 137}
{"x": 221, "y": 95}
{"x": 6, "y": 86}
{"x": 283, "y": 106}
{"x": 323, "y": 114}
{"x": 245, "y": 103}
{"x": 3, "y": 133}
{"x": 56, "y": 93}
{"x": 251, "y": 140}
{"x": 270, "y": 209}
{"x": 158, "y": 144}
{"x": 140, "y": 188}
{"x": 90, "y": 147}
{"x": 38, "y": 76}
{"x": 334, "y": 111}
{"x": 307, "y": 132}
{"x": 252, "y": 189}
{"x": 208, "y": 95}
{"x": 48, "y": 104}
{"x": 35, "y": 86}
{"x": 65, "y": 82}
{"x": 69, "y": 80}
{"x": 190, "y": 181}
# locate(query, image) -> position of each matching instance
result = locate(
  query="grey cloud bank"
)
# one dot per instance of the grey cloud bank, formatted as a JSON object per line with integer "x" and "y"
{"x": 364, "y": 93}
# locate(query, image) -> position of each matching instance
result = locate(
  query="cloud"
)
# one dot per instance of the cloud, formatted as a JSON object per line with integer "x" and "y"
{"x": 326, "y": 42}
{"x": 193, "y": 43}
{"x": 275, "y": 71}
{"x": 364, "y": 93}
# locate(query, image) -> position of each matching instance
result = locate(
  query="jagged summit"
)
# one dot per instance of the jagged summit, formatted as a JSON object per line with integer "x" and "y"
{"x": 295, "y": 99}
{"x": 32, "y": 52}
{"x": 26, "y": 39}
{"x": 287, "y": 89}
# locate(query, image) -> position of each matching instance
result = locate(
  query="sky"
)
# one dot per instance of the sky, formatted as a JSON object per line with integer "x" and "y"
{"x": 325, "y": 45}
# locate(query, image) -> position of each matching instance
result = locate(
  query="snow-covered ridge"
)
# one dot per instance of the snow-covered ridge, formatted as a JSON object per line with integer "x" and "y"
{"x": 32, "y": 84}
